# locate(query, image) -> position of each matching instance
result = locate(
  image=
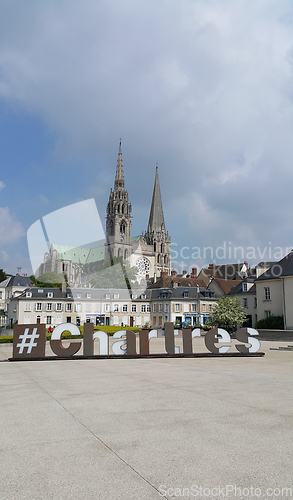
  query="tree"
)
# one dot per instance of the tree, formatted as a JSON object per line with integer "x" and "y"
{"x": 48, "y": 280}
{"x": 2, "y": 275}
{"x": 227, "y": 313}
{"x": 114, "y": 274}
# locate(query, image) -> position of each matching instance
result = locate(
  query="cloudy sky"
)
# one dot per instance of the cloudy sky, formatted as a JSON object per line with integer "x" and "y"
{"x": 203, "y": 87}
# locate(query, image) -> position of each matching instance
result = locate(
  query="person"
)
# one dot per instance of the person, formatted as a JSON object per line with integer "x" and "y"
{"x": 50, "y": 329}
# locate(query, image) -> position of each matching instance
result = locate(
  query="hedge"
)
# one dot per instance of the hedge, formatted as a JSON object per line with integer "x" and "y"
{"x": 110, "y": 330}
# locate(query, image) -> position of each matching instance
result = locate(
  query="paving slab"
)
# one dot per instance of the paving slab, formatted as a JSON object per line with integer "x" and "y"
{"x": 147, "y": 428}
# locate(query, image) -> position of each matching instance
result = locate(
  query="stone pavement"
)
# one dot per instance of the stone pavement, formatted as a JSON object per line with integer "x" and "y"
{"x": 141, "y": 428}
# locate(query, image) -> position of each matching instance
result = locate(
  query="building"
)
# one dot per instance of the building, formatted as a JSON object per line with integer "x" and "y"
{"x": 224, "y": 271}
{"x": 53, "y": 306}
{"x": 245, "y": 291}
{"x": 149, "y": 252}
{"x": 221, "y": 286}
{"x": 181, "y": 305}
{"x": 11, "y": 288}
{"x": 274, "y": 291}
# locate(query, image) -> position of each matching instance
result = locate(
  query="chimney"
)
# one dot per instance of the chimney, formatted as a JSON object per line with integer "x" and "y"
{"x": 164, "y": 273}
{"x": 184, "y": 271}
{"x": 173, "y": 273}
{"x": 194, "y": 272}
{"x": 63, "y": 286}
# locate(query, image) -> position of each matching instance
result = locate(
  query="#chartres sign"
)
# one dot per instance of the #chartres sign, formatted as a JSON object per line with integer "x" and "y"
{"x": 29, "y": 341}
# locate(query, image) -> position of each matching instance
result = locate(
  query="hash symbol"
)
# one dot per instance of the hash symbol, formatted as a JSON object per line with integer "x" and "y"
{"x": 30, "y": 344}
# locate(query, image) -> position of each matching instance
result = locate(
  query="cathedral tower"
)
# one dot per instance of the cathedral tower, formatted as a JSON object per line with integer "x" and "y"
{"x": 156, "y": 234}
{"x": 118, "y": 221}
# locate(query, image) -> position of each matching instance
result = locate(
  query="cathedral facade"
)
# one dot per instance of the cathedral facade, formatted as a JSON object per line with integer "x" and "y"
{"x": 149, "y": 252}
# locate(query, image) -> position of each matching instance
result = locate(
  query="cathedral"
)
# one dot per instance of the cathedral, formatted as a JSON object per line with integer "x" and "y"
{"x": 149, "y": 252}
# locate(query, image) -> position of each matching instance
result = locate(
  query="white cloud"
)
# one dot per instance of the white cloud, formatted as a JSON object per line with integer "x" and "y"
{"x": 11, "y": 229}
{"x": 2, "y": 185}
{"x": 206, "y": 88}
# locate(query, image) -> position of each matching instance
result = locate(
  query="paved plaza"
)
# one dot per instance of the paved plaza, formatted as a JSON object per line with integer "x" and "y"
{"x": 139, "y": 429}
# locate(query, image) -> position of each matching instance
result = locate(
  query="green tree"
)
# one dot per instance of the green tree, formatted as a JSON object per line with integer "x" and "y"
{"x": 227, "y": 313}
{"x": 114, "y": 274}
{"x": 48, "y": 280}
{"x": 2, "y": 275}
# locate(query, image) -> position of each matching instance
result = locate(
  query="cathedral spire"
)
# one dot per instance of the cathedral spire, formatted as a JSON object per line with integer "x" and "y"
{"x": 156, "y": 221}
{"x": 119, "y": 179}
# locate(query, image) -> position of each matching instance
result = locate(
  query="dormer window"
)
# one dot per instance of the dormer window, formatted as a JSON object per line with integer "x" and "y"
{"x": 50, "y": 295}
{"x": 28, "y": 294}
{"x": 244, "y": 287}
{"x": 185, "y": 295}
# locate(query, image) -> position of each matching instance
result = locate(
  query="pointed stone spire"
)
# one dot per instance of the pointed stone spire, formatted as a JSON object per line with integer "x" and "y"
{"x": 119, "y": 179}
{"x": 156, "y": 220}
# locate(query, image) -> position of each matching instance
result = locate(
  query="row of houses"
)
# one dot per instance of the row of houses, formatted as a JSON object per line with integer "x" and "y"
{"x": 153, "y": 307}
{"x": 264, "y": 290}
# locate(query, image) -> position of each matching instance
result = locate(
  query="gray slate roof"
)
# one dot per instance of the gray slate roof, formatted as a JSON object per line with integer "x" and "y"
{"x": 279, "y": 269}
{"x": 16, "y": 281}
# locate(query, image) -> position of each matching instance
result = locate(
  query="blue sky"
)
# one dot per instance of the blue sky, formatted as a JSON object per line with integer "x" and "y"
{"x": 204, "y": 88}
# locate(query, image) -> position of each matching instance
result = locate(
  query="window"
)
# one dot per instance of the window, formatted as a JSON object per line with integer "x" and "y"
{"x": 58, "y": 306}
{"x": 125, "y": 308}
{"x": 166, "y": 308}
{"x": 267, "y": 314}
{"x": 68, "y": 308}
{"x": 89, "y": 296}
{"x": 107, "y": 296}
{"x": 177, "y": 307}
{"x": 244, "y": 287}
{"x": 88, "y": 307}
{"x": 27, "y": 306}
{"x": 133, "y": 296}
{"x": 149, "y": 308}
{"x": 143, "y": 296}
{"x": 143, "y": 308}
{"x": 98, "y": 308}
{"x": 116, "y": 295}
{"x": 203, "y": 307}
{"x": 50, "y": 295}
{"x": 116, "y": 308}
{"x": 78, "y": 307}
{"x": 107, "y": 308}
{"x": 244, "y": 302}
{"x": 193, "y": 307}
{"x": 28, "y": 294}
{"x": 38, "y": 306}
{"x": 154, "y": 320}
{"x": 186, "y": 295}
{"x": 267, "y": 293}
{"x": 154, "y": 308}
{"x": 210, "y": 307}
{"x": 255, "y": 302}
{"x": 160, "y": 308}
{"x": 69, "y": 295}
{"x": 40, "y": 290}
{"x": 49, "y": 306}
{"x": 78, "y": 296}
{"x": 49, "y": 320}
{"x": 133, "y": 308}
